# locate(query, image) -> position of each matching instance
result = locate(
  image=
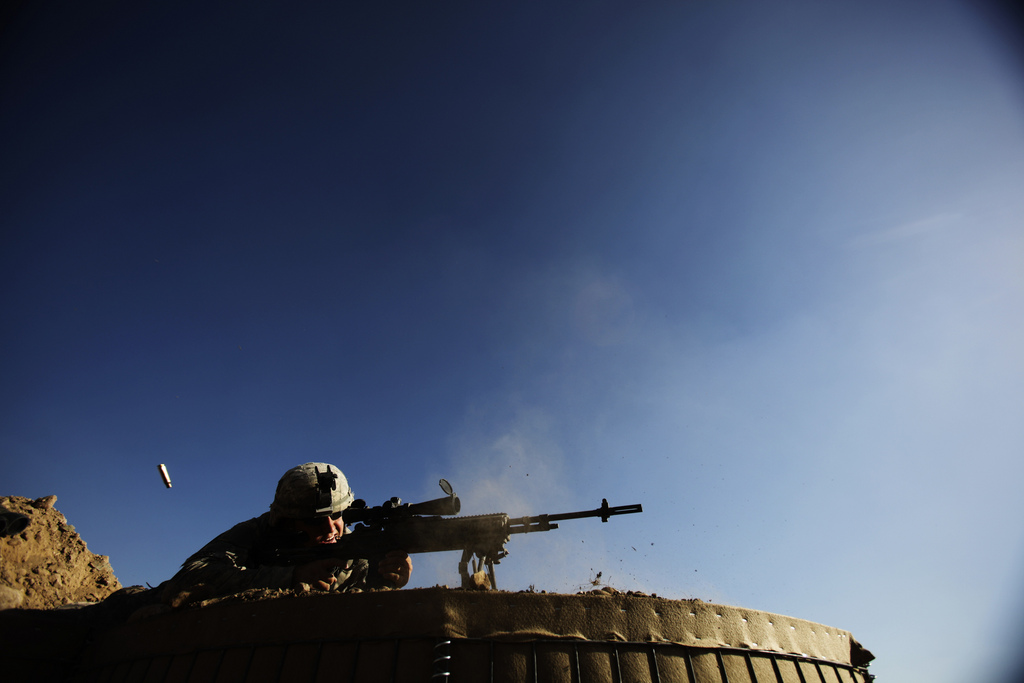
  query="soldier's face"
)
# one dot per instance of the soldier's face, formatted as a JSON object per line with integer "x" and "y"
{"x": 321, "y": 530}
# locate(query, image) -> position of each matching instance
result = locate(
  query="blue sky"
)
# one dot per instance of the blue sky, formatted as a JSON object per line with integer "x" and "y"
{"x": 757, "y": 267}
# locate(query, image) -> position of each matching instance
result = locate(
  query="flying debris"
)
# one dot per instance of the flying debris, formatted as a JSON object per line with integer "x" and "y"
{"x": 163, "y": 475}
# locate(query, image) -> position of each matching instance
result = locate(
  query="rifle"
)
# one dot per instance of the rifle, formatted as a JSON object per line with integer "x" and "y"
{"x": 427, "y": 527}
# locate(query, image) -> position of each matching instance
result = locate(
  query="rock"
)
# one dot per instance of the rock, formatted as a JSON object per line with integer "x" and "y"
{"x": 45, "y": 503}
{"x": 48, "y": 565}
{"x": 10, "y": 598}
{"x": 480, "y": 581}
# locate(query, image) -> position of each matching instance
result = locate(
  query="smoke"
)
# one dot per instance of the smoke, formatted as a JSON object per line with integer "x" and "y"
{"x": 527, "y": 449}
{"x": 603, "y": 313}
{"x": 512, "y": 464}
{"x": 511, "y": 460}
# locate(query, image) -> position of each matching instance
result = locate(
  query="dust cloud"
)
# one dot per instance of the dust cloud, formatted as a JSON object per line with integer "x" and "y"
{"x": 518, "y": 467}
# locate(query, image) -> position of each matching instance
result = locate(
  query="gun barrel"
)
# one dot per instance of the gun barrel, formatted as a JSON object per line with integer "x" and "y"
{"x": 523, "y": 525}
{"x": 604, "y": 512}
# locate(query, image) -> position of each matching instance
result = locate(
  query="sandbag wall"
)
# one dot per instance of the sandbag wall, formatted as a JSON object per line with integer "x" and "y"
{"x": 453, "y": 635}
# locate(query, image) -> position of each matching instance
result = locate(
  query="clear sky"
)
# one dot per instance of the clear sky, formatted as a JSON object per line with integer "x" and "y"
{"x": 757, "y": 266}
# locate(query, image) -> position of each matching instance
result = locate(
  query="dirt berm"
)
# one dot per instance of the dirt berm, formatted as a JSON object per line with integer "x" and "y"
{"x": 48, "y": 564}
{"x": 45, "y": 568}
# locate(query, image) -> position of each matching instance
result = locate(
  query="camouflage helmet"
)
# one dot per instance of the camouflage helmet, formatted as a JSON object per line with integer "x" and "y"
{"x": 315, "y": 489}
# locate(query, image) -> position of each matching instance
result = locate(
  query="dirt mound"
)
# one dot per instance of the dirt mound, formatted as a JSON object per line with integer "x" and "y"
{"x": 48, "y": 564}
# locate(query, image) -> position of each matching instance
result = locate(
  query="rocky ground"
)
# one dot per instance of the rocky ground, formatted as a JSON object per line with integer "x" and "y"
{"x": 48, "y": 564}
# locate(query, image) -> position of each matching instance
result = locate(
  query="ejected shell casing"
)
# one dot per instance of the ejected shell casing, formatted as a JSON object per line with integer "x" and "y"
{"x": 163, "y": 475}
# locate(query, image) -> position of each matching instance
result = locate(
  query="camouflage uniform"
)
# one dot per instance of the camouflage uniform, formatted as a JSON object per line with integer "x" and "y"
{"x": 232, "y": 562}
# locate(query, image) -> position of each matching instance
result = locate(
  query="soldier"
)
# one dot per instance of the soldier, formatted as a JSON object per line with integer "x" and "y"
{"x": 306, "y": 512}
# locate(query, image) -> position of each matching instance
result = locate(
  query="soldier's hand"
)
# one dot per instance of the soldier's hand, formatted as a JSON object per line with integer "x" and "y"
{"x": 396, "y": 567}
{"x": 318, "y": 574}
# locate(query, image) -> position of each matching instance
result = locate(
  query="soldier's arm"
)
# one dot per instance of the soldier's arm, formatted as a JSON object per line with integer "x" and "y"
{"x": 224, "y": 566}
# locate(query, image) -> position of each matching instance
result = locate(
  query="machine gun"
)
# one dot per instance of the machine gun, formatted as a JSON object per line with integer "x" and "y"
{"x": 425, "y": 528}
